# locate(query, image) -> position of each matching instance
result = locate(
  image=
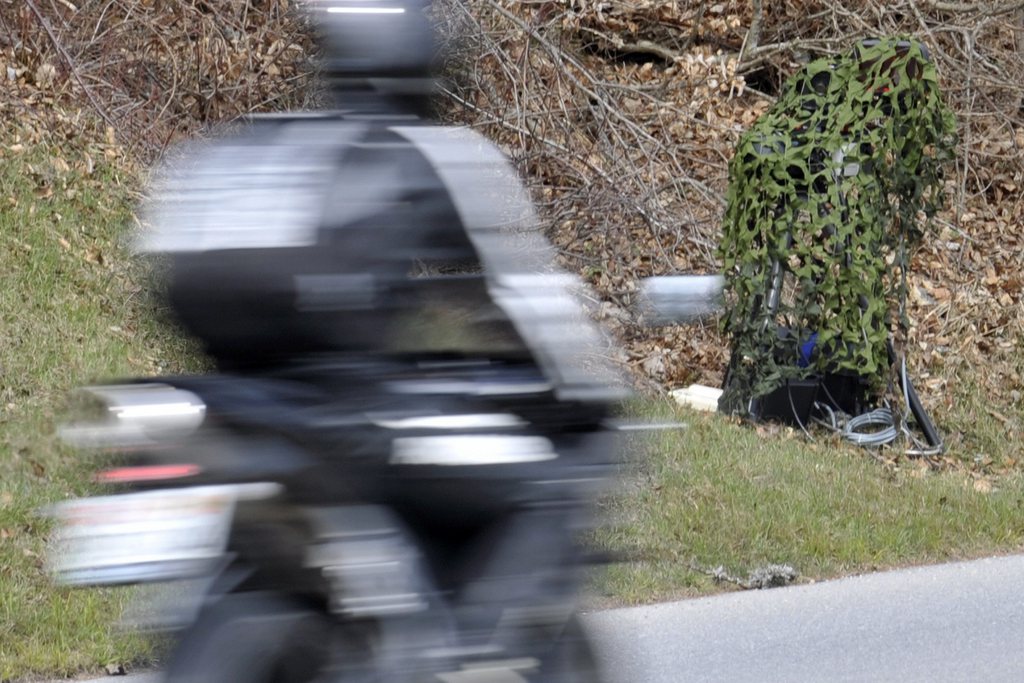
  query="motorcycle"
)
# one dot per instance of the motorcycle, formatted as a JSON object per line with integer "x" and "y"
{"x": 299, "y": 515}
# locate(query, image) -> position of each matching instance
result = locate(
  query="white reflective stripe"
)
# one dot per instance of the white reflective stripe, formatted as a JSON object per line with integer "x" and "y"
{"x": 499, "y": 671}
{"x": 470, "y": 388}
{"x": 478, "y": 421}
{"x": 160, "y": 410}
{"x": 466, "y": 450}
{"x": 482, "y": 676}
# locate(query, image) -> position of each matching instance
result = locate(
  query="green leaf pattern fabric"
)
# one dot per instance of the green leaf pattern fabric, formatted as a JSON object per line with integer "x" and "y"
{"x": 829, "y": 191}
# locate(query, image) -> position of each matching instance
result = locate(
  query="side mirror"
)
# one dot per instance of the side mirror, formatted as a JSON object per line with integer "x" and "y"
{"x": 677, "y": 299}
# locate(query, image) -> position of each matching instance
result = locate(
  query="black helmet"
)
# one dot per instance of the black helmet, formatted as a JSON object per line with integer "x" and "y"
{"x": 376, "y": 52}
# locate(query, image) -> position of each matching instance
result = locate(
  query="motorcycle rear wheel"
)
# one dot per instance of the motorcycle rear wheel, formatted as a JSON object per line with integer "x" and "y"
{"x": 269, "y": 638}
{"x": 257, "y": 638}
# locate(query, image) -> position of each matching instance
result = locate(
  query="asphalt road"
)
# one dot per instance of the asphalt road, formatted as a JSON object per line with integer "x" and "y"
{"x": 953, "y": 622}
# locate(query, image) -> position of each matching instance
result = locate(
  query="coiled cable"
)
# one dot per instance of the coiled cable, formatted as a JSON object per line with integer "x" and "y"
{"x": 872, "y": 429}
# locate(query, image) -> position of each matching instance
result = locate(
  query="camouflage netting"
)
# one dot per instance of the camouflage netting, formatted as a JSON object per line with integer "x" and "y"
{"x": 828, "y": 192}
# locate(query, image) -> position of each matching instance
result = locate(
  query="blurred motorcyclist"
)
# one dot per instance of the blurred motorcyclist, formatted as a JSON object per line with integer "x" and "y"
{"x": 398, "y": 266}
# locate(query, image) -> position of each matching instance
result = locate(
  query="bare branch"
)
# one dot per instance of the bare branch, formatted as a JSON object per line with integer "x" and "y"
{"x": 69, "y": 62}
{"x": 753, "y": 37}
{"x": 988, "y": 9}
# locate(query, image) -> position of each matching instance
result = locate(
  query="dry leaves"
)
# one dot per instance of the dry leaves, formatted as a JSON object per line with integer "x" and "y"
{"x": 153, "y": 72}
{"x": 623, "y": 115}
{"x": 983, "y": 486}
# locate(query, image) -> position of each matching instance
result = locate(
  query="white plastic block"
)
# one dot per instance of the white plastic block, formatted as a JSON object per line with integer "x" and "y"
{"x": 698, "y": 397}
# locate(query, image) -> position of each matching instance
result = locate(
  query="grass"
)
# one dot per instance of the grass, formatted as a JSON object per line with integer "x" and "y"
{"x": 719, "y": 495}
{"x": 984, "y": 421}
{"x": 714, "y": 495}
{"x": 71, "y": 313}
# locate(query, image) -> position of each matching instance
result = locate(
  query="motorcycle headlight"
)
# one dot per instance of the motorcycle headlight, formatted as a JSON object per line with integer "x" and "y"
{"x": 119, "y": 416}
